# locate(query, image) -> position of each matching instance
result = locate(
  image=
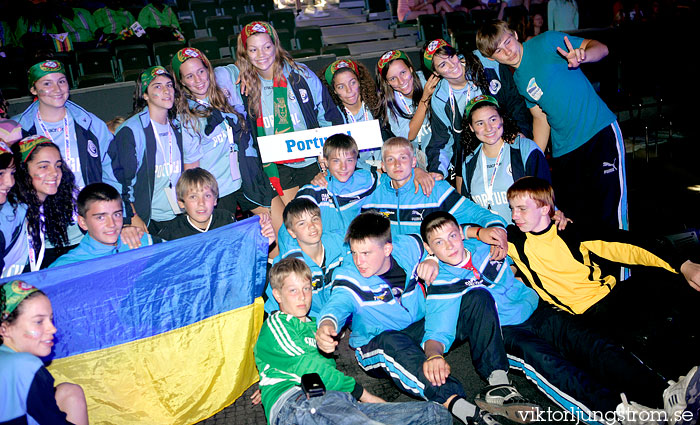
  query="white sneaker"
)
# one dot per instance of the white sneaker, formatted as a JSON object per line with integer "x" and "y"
{"x": 302, "y": 17}
{"x": 631, "y": 413}
{"x": 675, "y": 397}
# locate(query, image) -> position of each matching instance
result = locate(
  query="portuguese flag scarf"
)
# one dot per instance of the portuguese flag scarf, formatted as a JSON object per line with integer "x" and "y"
{"x": 282, "y": 124}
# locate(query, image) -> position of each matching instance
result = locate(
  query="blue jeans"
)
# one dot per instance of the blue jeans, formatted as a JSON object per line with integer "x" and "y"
{"x": 340, "y": 408}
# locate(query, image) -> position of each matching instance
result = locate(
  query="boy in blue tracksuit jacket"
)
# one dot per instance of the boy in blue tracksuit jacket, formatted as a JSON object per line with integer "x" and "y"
{"x": 346, "y": 188}
{"x": 100, "y": 214}
{"x": 322, "y": 251}
{"x": 582, "y": 370}
{"x": 382, "y": 293}
{"x": 396, "y": 199}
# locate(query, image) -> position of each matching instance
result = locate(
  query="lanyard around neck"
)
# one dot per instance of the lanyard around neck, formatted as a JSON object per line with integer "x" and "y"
{"x": 352, "y": 117}
{"x": 66, "y": 134}
{"x": 452, "y": 104}
{"x": 488, "y": 185}
{"x": 34, "y": 260}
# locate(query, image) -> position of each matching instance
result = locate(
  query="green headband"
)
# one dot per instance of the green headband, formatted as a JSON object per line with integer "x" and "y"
{"x": 150, "y": 74}
{"x": 433, "y": 47}
{"x": 44, "y": 68}
{"x": 338, "y": 65}
{"x": 256, "y": 27}
{"x": 481, "y": 98}
{"x": 184, "y": 54}
{"x": 28, "y": 144}
{"x": 12, "y": 294}
{"x": 388, "y": 57}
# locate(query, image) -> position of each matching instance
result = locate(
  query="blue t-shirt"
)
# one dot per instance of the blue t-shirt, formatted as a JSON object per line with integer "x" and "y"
{"x": 267, "y": 100}
{"x": 497, "y": 203}
{"x": 168, "y": 170}
{"x": 212, "y": 152}
{"x": 574, "y": 110}
{"x": 56, "y": 132}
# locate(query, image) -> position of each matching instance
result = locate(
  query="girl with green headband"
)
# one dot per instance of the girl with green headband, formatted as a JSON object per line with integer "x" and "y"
{"x": 81, "y": 136}
{"x": 46, "y": 186}
{"x": 147, "y": 154}
{"x": 27, "y": 334}
{"x": 496, "y": 156}
{"x": 405, "y": 101}
{"x": 280, "y": 96}
{"x": 354, "y": 92}
{"x": 216, "y": 136}
{"x": 462, "y": 80}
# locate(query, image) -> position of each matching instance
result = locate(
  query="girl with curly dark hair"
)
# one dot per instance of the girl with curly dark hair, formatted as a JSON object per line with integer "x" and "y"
{"x": 354, "y": 92}
{"x": 46, "y": 185}
{"x": 462, "y": 80}
{"x": 496, "y": 155}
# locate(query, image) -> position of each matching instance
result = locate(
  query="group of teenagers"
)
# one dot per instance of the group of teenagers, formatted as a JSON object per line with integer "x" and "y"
{"x": 447, "y": 234}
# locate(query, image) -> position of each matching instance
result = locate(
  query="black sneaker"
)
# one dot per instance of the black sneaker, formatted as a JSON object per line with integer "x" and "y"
{"x": 482, "y": 417}
{"x": 505, "y": 400}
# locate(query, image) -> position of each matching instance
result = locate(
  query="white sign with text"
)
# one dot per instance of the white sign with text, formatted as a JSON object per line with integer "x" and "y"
{"x": 307, "y": 143}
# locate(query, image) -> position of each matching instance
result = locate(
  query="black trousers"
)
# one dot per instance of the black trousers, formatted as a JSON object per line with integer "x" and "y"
{"x": 579, "y": 365}
{"x": 398, "y": 354}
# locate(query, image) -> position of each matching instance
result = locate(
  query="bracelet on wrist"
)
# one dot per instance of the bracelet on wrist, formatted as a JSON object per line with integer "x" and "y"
{"x": 435, "y": 356}
{"x": 478, "y": 238}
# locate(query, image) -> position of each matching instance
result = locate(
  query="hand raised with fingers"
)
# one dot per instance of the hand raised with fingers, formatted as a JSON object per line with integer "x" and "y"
{"x": 575, "y": 57}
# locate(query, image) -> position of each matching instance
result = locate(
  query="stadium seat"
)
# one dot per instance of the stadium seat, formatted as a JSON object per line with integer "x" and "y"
{"x": 286, "y": 38}
{"x": 303, "y": 53}
{"x": 131, "y": 74}
{"x": 283, "y": 18}
{"x": 232, "y": 44}
{"x": 95, "y": 61}
{"x": 232, "y": 7}
{"x": 336, "y": 49}
{"x": 247, "y": 18}
{"x": 164, "y": 51}
{"x": 309, "y": 37}
{"x": 482, "y": 16}
{"x": 207, "y": 45}
{"x": 431, "y": 27}
{"x": 98, "y": 79}
{"x": 262, "y": 6}
{"x": 458, "y": 21}
{"x": 220, "y": 27}
{"x": 134, "y": 56}
{"x": 319, "y": 62}
{"x": 200, "y": 10}
{"x": 188, "y": 28}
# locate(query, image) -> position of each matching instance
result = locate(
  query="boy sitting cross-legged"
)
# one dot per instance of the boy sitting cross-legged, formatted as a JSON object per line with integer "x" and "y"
{"x": 582, "y": 370}
{"x": 100, "y": 212}
{"x": 286, "y": 352}
{"x": 382, "y": 293}
{"x": 396, "y": 199}
{"x": 322, "y": 251}
{"x": 197, "y": 193}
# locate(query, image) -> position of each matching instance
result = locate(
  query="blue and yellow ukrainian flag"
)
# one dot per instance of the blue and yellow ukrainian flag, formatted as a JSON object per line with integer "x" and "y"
{"x": 161, "y": 334}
